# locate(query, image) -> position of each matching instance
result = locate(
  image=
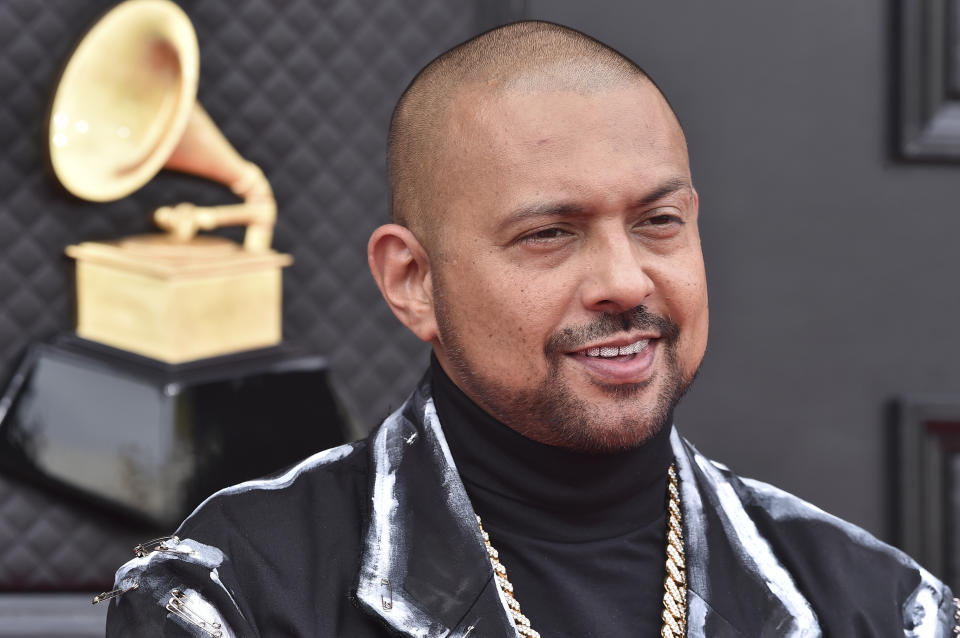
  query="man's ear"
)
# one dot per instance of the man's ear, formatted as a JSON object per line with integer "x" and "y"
{"x": 401, "y": 268}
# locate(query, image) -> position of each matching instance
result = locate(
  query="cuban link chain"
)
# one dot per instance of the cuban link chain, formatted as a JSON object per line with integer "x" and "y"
{"x": 521, "y": 622}
{"x": 674, "y": 585}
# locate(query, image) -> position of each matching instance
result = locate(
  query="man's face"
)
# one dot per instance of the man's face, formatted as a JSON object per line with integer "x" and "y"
{"x": 568, "y": 281}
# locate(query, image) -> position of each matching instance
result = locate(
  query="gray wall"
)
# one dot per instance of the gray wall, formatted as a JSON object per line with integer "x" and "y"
{"x": 832, "y": 267}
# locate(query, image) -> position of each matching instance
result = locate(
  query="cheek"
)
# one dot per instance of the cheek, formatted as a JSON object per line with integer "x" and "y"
{"x": 694, "y": 318}
{"x": 696, "y": 338}
{"x": 513, "y": 317}
{"x": 508, "y": 317}
{"x": 682, "y": 288}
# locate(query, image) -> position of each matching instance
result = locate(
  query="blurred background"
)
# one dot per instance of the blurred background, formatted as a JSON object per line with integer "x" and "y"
{"x": 832, "y": 262}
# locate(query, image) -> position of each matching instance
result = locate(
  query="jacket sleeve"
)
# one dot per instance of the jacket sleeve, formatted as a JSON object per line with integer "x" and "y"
{"x": 176, "y": 588}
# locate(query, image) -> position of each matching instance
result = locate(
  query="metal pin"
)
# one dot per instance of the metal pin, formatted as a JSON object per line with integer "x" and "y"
{"x": 113, "y": 593}
{"x": 163, "y": 544}
{"x": 177, "y": 605}
{"x": 388, "y": 601}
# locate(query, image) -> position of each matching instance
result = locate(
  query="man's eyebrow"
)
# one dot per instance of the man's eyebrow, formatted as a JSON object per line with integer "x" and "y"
{"x": 542, "y": 210}
{"x": 669, "y": 187}
{"x": 547, "y": 209}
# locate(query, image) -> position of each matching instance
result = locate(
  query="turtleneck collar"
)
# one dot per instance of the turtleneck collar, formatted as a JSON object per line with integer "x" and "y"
{"x": 544, "y": 491}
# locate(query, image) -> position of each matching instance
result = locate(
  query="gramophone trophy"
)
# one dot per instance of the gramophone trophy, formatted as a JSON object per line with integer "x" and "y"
{"x": 135, "y": 433}
{"x": 125, "y": 108}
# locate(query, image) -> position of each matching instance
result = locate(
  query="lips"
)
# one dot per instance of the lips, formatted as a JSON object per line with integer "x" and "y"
{"x": 626, "y": 360}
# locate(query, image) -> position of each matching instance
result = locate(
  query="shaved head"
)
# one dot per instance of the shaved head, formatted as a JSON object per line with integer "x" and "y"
{"x": 525, "y": 57}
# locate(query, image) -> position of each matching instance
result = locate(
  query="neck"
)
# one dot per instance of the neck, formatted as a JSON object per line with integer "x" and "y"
{"x": 545, "y": 491}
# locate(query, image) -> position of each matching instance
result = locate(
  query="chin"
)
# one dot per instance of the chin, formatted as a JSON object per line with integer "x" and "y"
{"x": 624, "y": 433}
{"x": 622, "y": 417}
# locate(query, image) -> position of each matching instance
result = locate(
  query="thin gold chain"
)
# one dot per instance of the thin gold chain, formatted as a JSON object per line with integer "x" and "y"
{"x": 674, "y": 585}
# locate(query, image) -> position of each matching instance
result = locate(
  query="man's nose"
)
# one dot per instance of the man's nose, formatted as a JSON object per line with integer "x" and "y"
{"x": 616, "y": 277}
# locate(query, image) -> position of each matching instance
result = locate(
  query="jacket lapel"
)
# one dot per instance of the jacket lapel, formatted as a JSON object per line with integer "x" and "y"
{"x": 736, "y": 584}
{"x": 424, "y": 570}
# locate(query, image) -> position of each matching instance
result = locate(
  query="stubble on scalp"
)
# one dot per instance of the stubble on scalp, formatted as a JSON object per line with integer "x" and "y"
{"x": 524, "y": 57}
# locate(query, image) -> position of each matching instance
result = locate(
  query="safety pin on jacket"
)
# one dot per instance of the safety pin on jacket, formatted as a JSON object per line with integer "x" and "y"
{"x": 179, "y": 605}
{"x": 166, "y": 544}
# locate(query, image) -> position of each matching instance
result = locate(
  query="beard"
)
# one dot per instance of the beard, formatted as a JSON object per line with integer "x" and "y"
{"x": 551, "y": 412}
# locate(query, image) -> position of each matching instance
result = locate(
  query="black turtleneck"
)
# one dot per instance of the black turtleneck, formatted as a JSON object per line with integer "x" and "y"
{"x": 582, "y": 536}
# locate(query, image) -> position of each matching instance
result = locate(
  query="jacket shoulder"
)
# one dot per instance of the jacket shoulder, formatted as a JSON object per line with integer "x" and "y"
{"x": 245, "y": 545}
{"x": 326, "y": 480}
{"x": 857, "y": 584}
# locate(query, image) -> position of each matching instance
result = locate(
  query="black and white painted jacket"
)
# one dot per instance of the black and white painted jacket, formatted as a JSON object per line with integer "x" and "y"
{"x": 378, "y": 538}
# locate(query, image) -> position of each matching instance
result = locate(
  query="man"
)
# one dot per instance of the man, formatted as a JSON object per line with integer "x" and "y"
{"x": 545, "y": 243}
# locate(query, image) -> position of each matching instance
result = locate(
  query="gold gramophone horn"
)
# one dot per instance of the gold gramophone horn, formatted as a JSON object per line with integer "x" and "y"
{"x": 126, "y": 107}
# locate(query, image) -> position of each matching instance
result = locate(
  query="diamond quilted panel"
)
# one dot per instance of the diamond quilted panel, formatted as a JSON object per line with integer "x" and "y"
{"x": 51, "y": 543}
{"x": 302, "y": 87}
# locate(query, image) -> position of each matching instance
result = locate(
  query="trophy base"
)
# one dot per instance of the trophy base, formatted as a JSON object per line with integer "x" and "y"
{"x": 178, "y": 302}
{"x": 133, "y": 438}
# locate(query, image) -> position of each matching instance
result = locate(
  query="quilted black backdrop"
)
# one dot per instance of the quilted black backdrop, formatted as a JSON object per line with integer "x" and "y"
{"x": 304, "y": 88}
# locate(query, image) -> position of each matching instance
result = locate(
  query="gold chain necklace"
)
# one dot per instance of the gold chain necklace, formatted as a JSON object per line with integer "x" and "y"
{"x": 674, "y": 584}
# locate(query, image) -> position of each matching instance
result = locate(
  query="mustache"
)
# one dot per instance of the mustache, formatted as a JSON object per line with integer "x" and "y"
{"x": 609, "y": 324}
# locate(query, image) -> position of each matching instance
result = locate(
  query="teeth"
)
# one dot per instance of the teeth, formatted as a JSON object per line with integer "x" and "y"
{"x": 611, "y": 351}
{"x": 635, "y": 347}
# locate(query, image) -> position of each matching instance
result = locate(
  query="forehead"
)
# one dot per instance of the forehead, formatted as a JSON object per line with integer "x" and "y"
{"x": 506, "y": 146}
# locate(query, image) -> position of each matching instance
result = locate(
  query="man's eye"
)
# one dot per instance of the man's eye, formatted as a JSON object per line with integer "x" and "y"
{"x": 662, "y": 220}
{"x": 545, "y": 234}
